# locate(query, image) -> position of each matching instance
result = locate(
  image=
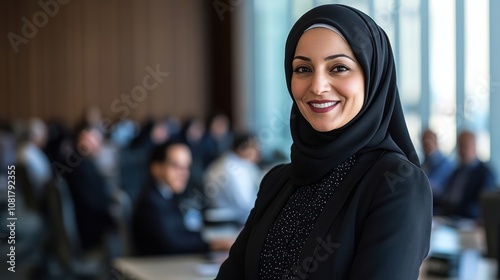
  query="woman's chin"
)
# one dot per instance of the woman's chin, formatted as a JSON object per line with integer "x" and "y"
{"x": 324, "y": 127}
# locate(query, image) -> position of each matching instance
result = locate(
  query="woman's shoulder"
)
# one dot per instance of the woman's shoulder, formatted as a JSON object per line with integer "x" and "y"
{"x": 393, "y": 162}
{"x": 282, "y": 169}
{"x": 277, "y": 176}
{"x": 395, "y": 170}
{"x": 395, "y": 159}
{"x": 275, "y": 179}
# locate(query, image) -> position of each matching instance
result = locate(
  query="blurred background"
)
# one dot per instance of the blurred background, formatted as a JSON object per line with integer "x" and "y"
{"x": 147, "y": 69}
{"x": 227, "y": 56}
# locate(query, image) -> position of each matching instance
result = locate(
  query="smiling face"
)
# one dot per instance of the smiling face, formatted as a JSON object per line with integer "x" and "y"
{"x": 327, "y": 82}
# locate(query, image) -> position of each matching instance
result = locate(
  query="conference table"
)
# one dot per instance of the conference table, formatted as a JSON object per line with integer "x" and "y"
{"x": 464, "y": 240}
{"x": 196, "y": 267}
{"x": 468, "y": 241}
{"x": 189, "y": 267}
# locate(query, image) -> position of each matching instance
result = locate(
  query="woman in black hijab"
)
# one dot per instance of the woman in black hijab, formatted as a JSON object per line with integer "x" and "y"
{"x": 353, "y": 203}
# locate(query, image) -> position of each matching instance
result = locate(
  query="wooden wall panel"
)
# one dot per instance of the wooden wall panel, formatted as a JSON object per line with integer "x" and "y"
{"x": 189, "y": 75}
{"x": 141, "y": 57}
{"x": 74, "y": 55}
{"x": 109, "y": 48}
{"x": 162, "y": 21}
{"x": 93, "y": 52}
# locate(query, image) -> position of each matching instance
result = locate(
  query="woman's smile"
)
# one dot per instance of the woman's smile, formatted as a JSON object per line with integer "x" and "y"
{"x": 322, "y": 106}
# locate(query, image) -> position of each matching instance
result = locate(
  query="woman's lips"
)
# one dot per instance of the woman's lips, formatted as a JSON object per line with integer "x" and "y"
{"x": 322, "y": 106}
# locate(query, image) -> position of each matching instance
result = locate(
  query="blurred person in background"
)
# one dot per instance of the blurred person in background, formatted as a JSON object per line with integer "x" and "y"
{"x": 92, "y": 116}
{"x": 30, "y": 154}
{"x": 7, "y": 144}
{"x": 460, "y": 198}
{"x": 191, "y": 133}
{"x": 437, "y": 166}
{"x": 124, "y": 132}
{"x": 107, "y": 157}
{"x": 162, "y": 223}
{"x": 218, "y": 137}
{"x": 153, "y": 133}
{"x": 59, "y": 140}
{"x": 134, "y": 158}
{"x": 26, "y": 171}
{"x": 92, "y": 196}
{"x": 232, "y": 181}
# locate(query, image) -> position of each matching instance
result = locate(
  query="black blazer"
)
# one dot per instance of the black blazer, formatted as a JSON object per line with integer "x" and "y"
{"x": 159, "y": 229}
{"x": 377, "y": 224}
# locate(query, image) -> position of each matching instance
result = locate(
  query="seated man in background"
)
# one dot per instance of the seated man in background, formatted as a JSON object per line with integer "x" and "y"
{"x": 30, "y": 154}
{"x": 232, "y": 182}
{"x": 92, "y": 196}
{"x": 162, "y": 224}
{"x": 461, "y": 194}
{"x": 437, "y": 167}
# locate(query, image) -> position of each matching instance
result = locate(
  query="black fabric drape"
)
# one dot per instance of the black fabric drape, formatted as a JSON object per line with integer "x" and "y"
{"x": 379, "y": 125}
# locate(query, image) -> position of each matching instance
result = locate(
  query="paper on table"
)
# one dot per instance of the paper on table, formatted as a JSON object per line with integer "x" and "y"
{"x": 207, "y": 269}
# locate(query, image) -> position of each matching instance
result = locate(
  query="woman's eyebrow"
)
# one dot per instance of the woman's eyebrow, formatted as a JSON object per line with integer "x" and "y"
{"x": 338, "y": 55}
{"x": 330, "y": 57}
{"x": 302, "y": 58}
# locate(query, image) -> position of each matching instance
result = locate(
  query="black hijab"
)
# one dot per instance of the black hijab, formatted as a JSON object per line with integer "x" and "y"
{"x": 379, "y": 125}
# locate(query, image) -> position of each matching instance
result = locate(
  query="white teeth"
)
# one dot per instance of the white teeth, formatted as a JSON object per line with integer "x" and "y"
{"x": 323, "y": 105}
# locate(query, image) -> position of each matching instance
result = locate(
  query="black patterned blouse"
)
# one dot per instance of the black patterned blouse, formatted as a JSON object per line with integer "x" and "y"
{"x": 280, "y": 255}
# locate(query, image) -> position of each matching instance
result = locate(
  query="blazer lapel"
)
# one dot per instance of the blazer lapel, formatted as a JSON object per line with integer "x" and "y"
{"x": 259, "y": 234}
{"x": 332, "y": 208}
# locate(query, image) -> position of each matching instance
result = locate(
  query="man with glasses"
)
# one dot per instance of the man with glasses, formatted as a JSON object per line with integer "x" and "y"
{"x": 163, "y": 224}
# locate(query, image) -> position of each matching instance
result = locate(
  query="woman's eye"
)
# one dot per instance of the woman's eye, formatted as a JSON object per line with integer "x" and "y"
{"x": 302, "y": 69}
{"x": 339, "y": 69}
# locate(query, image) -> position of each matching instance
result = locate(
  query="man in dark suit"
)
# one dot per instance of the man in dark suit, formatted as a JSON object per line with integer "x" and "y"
{"x": 467, "y": 182}
{"x": 92, "y": 196}
{"x": 163, "y": 223}
{"x": 436, "y": 165}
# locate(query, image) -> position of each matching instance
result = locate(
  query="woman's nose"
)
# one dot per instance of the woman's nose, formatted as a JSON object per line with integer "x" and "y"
{"x": 320, "y": 83}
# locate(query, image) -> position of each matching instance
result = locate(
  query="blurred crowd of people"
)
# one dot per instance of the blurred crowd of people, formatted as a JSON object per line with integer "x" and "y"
{"x": 457, "y": 186}
{"x": 97, "y": 191}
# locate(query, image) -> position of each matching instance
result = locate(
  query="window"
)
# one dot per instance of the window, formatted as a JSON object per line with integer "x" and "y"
{"x": 426, "y": 60}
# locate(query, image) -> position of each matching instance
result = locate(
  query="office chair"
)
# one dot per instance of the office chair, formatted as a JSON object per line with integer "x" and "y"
{"x": 28, "y": 192}
{"x": 490, "y": 206}
{"x": 65, "y": 237}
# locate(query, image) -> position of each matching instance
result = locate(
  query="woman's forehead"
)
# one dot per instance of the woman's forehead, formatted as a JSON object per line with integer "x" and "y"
{"x": 321, "y": 39}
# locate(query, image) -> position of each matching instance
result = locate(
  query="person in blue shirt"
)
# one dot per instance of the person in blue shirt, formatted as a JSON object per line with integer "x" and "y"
{"x": 436, "y": 165}
{"x": 232, "y": 181}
